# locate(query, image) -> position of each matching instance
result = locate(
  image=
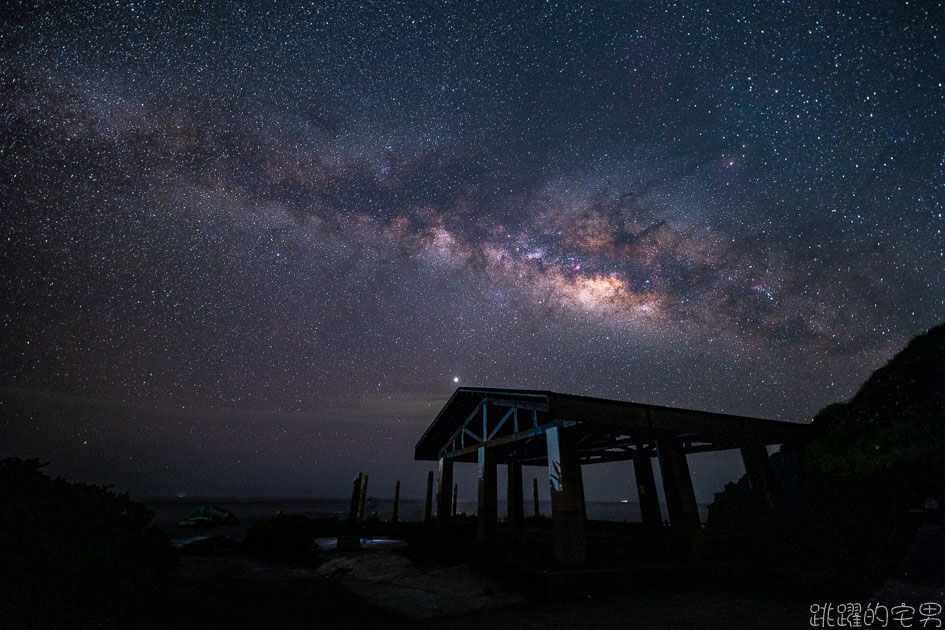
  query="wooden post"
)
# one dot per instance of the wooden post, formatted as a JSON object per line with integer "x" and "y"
{"x": 646, "y": 490}
{"x": 516, "y": 509}
{"x": 362, "y": 495}
{"x": 488, "y": 495}
{"x": 567, "y": 498}
{"x": 680, "y": 497}
{"x": 761, "y": 477}
{"x": 393, "y": 517}
{"x": 535, "y": 497}
{"x": 355, "y": 496}
{"x": 428, "y": 508}
{"x": 444, "y": 499}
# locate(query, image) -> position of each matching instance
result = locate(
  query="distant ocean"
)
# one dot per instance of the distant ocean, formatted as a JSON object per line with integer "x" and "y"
{"x": 168, "y": 512}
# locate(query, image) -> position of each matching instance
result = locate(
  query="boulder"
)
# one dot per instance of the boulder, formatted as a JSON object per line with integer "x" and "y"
{"x": 925, "y": 561}
{"x": 291, "y": 538}
{"x": 212, "y": 546}
{"x": 209, "y": 516}
{"x": 349, "y": 543}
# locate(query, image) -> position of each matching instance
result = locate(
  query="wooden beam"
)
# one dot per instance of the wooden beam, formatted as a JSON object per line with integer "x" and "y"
{"x": 501, "y": 422}
{"x": 654, "y": 419}
{"x": 508, "y": 439}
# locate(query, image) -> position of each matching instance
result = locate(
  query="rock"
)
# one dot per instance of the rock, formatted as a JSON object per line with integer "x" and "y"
{"x": 734, "y": 509}
{"x": 209, "y": 516}
{"x": 212, "y": 546}
{"x": 925, "y": 561}
{"x": 895, "y": 593}
{"x": 922, "y": 578}
{"x": 349, "y": 543}
{"x": 290, "y": 538}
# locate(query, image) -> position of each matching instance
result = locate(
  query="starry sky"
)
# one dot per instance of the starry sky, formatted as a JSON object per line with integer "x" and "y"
{"x": 251, "y": 248}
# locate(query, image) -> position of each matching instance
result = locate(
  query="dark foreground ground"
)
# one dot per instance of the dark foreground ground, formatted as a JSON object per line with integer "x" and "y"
{"x": 384, "y": 587}
{"x": 231, "y": 592}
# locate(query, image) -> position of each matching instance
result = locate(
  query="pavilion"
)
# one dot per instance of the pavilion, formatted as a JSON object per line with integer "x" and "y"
{"x": 563, "y": 432}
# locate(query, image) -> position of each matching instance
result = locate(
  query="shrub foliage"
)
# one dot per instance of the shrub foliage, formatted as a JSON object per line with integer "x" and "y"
{"x": 72, "y": 552}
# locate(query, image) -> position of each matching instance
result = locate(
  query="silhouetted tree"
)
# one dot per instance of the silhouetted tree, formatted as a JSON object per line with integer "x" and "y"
{"x": 72, "y": 553}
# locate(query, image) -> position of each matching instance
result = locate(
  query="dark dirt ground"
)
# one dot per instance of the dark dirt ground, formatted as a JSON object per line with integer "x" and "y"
{"x": 385, "y": 589}
{"x": 231, "y": 592}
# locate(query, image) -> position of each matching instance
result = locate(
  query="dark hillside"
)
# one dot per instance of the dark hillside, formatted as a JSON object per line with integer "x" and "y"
{"x": 893, "y": 426}
{"x": 853, "y": 505}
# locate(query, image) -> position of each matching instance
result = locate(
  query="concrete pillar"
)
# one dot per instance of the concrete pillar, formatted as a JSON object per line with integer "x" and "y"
{"x": 680, "y": 497}
{"x": 488, "y": 494}
{"x": 455, "y": 495}
{"x": 646, "y": 490}
{"x": 444, "y": 493}
{"x": 535, "y": 497}
{"x": 761, "y": 477}
{"x": 393, "y": 517}
{"x": 355, "y": 500}
{"x": 567, "y": 498}
{"x": 580, "y": 473}
{"x": 516, "y": 507}
{"x": 428, "y": 506}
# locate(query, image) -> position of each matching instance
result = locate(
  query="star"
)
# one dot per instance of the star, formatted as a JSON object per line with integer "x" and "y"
{"x": 196, "y": 217}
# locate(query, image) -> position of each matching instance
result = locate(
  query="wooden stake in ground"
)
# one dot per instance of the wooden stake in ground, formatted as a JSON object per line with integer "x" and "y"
{"x": 428, "y": 509}
{"x": 355, "y": 496}
{"x": 361, "y": 496}
{"x": 393, "y": 517}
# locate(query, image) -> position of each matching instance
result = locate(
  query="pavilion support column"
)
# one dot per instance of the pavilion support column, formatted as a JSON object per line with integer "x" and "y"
{"x": 567, "y": 498}
{"x": 680, "y": 497}
{"x": 516, "y": 514}
{"x": 488, "y": 495}
{"x": 444, "y": 492}
{"x": 761, "y": 477}
{"x": 646, "y": 490}
{"x": 580, "y": 474}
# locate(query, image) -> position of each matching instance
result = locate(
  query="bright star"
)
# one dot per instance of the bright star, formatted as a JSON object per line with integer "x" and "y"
{"x": 455, "y": 379}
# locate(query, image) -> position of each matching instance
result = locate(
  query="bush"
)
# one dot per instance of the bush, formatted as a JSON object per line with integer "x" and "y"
{"x": 290, "y": 538}
{"x": 72, "y": 552}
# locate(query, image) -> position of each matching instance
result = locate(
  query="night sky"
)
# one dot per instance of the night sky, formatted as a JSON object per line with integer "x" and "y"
{"x": 251, "y": 250}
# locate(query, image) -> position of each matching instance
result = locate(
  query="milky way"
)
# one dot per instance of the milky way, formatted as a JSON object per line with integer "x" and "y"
{"x": 271, "y": 237}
